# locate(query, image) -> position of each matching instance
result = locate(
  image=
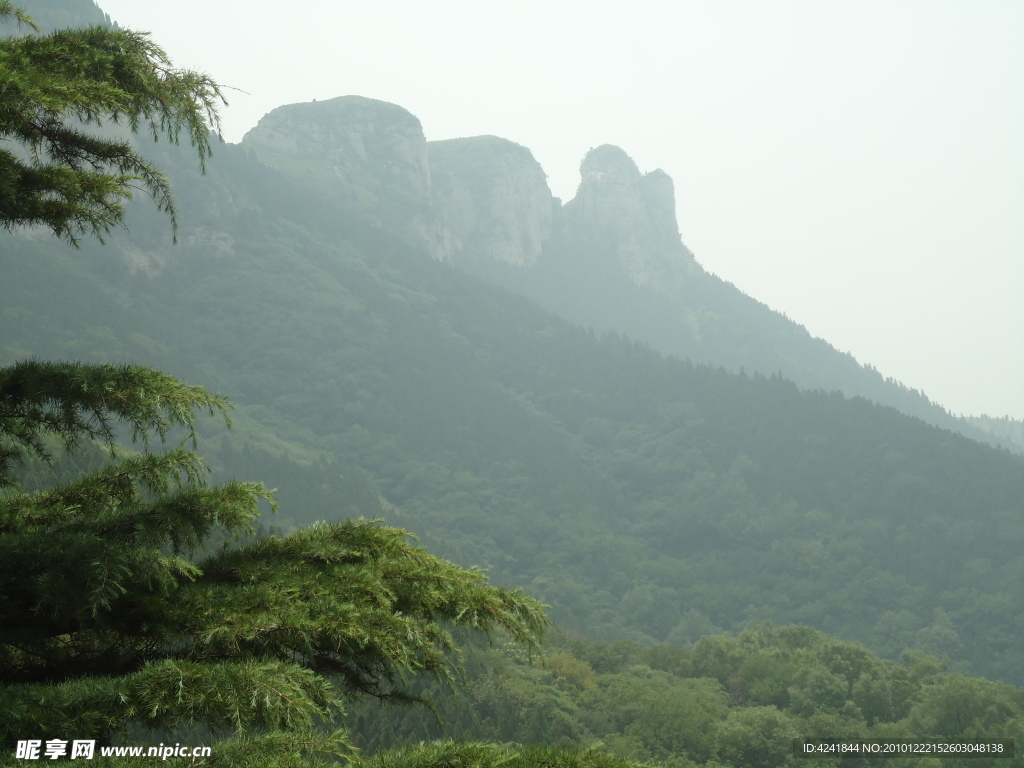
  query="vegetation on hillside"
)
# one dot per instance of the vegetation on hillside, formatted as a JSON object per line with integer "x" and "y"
{"x": 647, "y": 499}
{"x": 120, "y": 616}
{"x": 724, "y": 701}
{"x": 638, "y": 495}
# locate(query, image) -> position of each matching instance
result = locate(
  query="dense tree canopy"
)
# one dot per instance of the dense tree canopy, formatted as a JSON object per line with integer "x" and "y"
{"x": 725, "y": 701}
{"x": 59, "y": 93}
{"x": 642, "y": 496}
{"x": 113, "y": 622}
{"x": 118, "y": 612}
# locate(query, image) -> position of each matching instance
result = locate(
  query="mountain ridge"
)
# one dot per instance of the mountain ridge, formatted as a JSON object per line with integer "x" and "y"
{"x": 611, "y": 259}
{"x": 642, "y": 495}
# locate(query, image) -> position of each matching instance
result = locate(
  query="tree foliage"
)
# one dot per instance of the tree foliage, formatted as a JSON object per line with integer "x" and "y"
{"x": 725, "y": 701}
{"x": 57, "y": 91}
{"x": 117, "y": 617}
{"x": 476, "y": 755}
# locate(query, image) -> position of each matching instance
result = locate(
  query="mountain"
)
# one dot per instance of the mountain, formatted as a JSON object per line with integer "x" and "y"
{"x": 641, "y": 495}
{"x": 610, "y": 259}
{"x": 418, "y": 331}
{"x": 1009, "y": 432}
{"x": 493, "y": 198}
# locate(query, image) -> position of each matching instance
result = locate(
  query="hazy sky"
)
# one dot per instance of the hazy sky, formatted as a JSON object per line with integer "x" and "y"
{"x": 856, "y": 164}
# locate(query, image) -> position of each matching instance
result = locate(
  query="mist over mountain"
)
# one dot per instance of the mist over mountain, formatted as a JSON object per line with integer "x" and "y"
{"x": 558, "y": 392}
{"x": 642, "y": 496}
{"x": 610, "y": 259}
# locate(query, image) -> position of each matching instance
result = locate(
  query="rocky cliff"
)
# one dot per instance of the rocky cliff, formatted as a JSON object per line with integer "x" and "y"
{"x": 366, "y": 144}
{"x": 632, "y": 214}
{"x": 372, "y": 152}
{"x": 609, "y": 259}
{"x": 493, "y": 197}
{"x": 479, "y": 199}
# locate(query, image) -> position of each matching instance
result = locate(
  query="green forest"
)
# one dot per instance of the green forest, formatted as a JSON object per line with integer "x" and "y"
{"x": 730, "y": 561}
{"x": 725, "y": 700}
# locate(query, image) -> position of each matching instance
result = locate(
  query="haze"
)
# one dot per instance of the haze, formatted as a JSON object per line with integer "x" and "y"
{"x": 858, "y": 166}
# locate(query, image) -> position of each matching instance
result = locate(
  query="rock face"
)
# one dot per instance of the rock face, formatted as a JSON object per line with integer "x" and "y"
{"x": 493, "y": 197}
{"x": 463, "y": 199}
{"x": 632, "y": 214}
{"x": 372, "y": 150}
{"x": 476, "y": 200}
{"x": 360, "y": 140}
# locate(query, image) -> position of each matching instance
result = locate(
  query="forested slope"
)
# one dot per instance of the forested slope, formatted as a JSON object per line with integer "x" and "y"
{"x": 641, "y": 496}
{"x": 725, "y": 701}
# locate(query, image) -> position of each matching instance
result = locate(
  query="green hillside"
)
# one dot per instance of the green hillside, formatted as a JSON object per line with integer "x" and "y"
{"x": 643, "y": 497}
{"x": 725, "y": 701}
{"x": 738, "y": 557}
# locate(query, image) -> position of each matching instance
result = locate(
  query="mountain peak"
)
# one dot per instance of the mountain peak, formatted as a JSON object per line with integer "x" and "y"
{"x": 609, "y": 162}
{"x": 633, "y": 214}
{"x": 480, "y": 199}
{"x": 373, "y": 150}
{"x": 493, "y": 196}
{"x": 352, "y": 136}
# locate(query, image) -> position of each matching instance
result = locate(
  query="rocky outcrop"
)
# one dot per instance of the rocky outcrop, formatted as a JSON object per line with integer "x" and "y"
{"x": 476, "y": 200}
{"x": 493, "y": 197}
{"x": 358, "y": 139}
{"x": 463, "y": 199}
{"x": 631, "y": 214}
{"x": 372, "y": 150}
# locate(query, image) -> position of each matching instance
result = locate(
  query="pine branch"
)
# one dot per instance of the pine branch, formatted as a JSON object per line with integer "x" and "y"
{"x": 75, "y": 401}
{"x": 75, "y": 182}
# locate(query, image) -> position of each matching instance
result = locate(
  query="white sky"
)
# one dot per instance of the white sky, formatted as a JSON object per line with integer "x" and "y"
{"x": 856, "y": 164}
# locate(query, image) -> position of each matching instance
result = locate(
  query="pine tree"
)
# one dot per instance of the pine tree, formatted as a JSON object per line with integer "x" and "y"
{"x": 115, "y": 615}
{"x": 111, "y": 622}
{"x": 56, "y": 90}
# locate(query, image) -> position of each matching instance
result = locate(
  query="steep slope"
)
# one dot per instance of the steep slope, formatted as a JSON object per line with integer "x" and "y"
{"x": 494, "y": 198}
{"x": 640, "y": 495}
{"x": 631, "y": 217}
{"x": 371, "y": 153}
{"x": 615, "y": 261}
{"x": 611, "y": 259}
